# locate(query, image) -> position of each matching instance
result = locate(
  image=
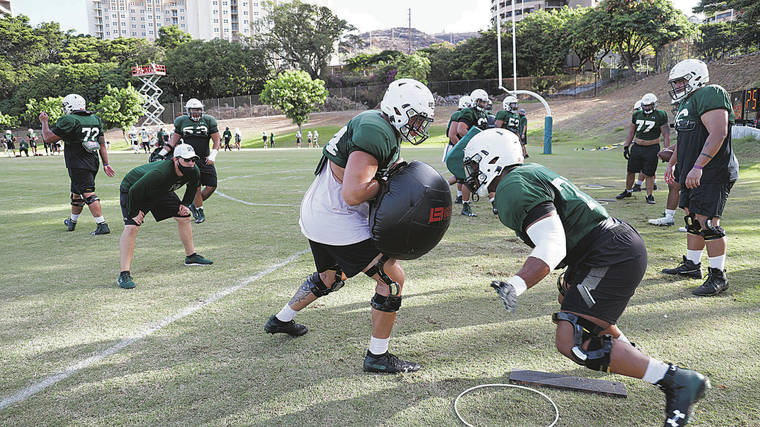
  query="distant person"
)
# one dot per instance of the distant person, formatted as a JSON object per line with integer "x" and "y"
{"x": 264, "y": 138}
{"x": 238, "y": 138}
{"x": 161, "y": 138}
{"x": 316, "y": 139}
{"x": 133, "y": 142}
{"x": 308, "y": 138}
{"x": 271, "y": 139}
{"x": 474, "y": 116}
{"x": 227, "y": 135}
{"x": 10, "y": 143}
{"x": 23, "y": 147}
{"x": 32, "y": 137}
{"x": 299, "y": 136}
{"x": 464, "y": 102}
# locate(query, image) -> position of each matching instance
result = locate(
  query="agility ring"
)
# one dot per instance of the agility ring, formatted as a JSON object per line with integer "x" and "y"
{"x": 456, "y": 401}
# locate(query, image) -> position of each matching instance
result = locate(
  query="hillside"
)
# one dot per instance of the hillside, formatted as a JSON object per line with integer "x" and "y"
{"x": 398, "y": 39}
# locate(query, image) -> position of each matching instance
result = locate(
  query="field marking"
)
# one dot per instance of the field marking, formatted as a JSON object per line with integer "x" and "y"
{"x": 190, "y": 309}
{"x": 252, "y": 204}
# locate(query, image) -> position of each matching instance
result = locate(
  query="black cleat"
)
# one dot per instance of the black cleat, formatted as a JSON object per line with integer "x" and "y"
{"x": 458, "y": 200}
{"x": 102, "y": 228}
{"x": 716, "y": 283}
{"x": 636, "y": 188}
{"x": 624, "y": 194}
{"x": 201, "y": 216}
{"x": 683, "y": 388}
{"x": 277, "y": 326}
{"x": 388, "y": 363}
{"x": 654, "y": 187}
{"x": 495, "y": 209}
{"x": 467, "y": 210}
{"x": 686, "y": 268}
{"x": 70, "y": 224}
{"x": 650, "y": 199}
{"x": 194, "y": 211}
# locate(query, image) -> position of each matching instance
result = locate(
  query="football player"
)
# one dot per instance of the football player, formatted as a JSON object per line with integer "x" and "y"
{"x": 473, "y": 116}
{"x": 82, "y": 134}
{"x": 227, "y": 138}
{"x": 32, "y": 141}
{"x": 150, "y": 188}
{"x": 196, "y": 129}
{"x": 605, "y": 258}
{"x": 707, "y": 170}
{"x": 23, "y": 147}
{"x": 335, "y": 210}
{"x": 647, "y": 125}
{"x": 316, "y": 139}
{"x": 133, "y": 140}
{"x": 465, "y": 102}
{"x": 674, "y": 188}
{"x": 10, "y": 143}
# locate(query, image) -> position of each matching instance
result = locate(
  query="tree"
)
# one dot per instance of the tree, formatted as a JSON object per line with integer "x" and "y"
{"x": 415, "y": 66}
{"x": 121, "y": 108}
{"x": 715, "y": 40}
{"x": 170, "y": 37}
{"x": 51, "y": 105}
{"x": 747, "y": 26}
{"x": 441, "y": 57}
{"x": 295, "y": 94}
{"x": 303, "y": 36}
{"x": 8, "y": 121}
{"x": 591, "y": 38}
{"x": 543, "y": 41}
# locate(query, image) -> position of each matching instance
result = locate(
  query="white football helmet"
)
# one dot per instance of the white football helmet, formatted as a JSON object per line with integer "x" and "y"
{"x": 73, "y": 102}
{"x": 30, "y": 131}
{"x": 486, "y": 156}
{"x": 692, "y": 72}
{"x": 410, "y": 107}
{"x": 194, "y": 104}
{"x": 648, "y": 103}
{"x": 508, "y": 101}
{"x": 465, "y": 102}
{"x": 479, "y": 96}
{"x": 637, "y": 105}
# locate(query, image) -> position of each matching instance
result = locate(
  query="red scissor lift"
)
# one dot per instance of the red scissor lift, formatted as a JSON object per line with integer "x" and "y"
{"x": 150, "y": 75}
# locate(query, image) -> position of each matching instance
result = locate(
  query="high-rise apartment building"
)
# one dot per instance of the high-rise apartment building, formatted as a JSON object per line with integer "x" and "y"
{"x": 6, "y": 8}
{"x": 202, "y": 19}
{"x": 525, "y": 7}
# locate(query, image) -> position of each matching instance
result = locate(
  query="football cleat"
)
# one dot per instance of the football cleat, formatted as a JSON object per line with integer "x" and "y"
{"x": 277, "y": 326}
{"x": 650, "y": 199}
{"x": 388, "y": 363}
{"x": 686, "y": 268}
{"x": 125, "y": 281}
{"x": 636, "y": 188}
{"x": 716, "y": 283}
{"x": 467, "y": 210}
{"x": 662, "y": 221}
{"x": 624, "y": 194}
{"x": 458, "y": 200}
{"x": 201, "y": 216}
{"x": 70, "y": 224}
{"x": 683, "y": 388}
{"x": 102, "y": 228}
{"x": 655, "y": 187}
{"x": 193, "y": 210}
{"x": 196, "y": 259}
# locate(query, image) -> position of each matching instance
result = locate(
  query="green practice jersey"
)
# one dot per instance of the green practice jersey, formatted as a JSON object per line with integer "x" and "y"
{"x": 369, "y": 132}
{"x": 75, "y": 130}
{"x": 197, "y": 134}
{"x": 23, "y": 144}
{"x": 692, "y": 135}
{"x": 8, "y": 137}
{"x": 648, "y": 126}
{"x": 227, "y": 135}
{"x": 473, "y": 117}
{"x": 511, "y": 121}
{"x": 454, "y": 119}
{"x": 528, "y": 185}
{"x": 151, "y": 181}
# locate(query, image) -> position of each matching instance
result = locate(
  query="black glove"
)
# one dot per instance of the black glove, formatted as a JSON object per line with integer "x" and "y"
{"x": 626, "y": 153}
{"x": 155, "y": 157}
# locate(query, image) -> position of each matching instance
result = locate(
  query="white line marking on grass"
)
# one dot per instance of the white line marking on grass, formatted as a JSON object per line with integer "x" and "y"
{"x": 190, "y": 309}
{"x": 252, "y": 204}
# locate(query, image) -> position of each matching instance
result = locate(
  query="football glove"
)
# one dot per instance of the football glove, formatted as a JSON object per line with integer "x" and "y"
{"x": 626, "y": 153}
{"x": 507, "y": 294}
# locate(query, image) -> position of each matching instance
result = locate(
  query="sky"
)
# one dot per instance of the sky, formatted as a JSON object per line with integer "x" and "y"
{"x": 430, "y": 16}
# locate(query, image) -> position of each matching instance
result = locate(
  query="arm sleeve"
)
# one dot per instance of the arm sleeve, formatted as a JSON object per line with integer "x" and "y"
{"x": 191, "y": 187}
{"x": 64, "y": 127}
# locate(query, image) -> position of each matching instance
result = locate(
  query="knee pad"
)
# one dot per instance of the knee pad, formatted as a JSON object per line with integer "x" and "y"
{"x": 392, "y": 302}
{"x": 318, "y": 287}
{"x": 76, "y": 202}
{"x": 711, "y": 232}
{"x": 389, "y": 304}
{"x": 692, "y": 225}
{"x": 597, "y": 355}
{"x": 91, "y": 199}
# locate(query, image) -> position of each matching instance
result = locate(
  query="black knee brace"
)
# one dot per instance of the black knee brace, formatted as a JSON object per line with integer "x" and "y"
{"x": 76, "y": 202}
{"x": 91, "y": 199}
{"x": 711, "y": 232}
{"x": 692, "y": 225}
{"x": 318, "y": 287}
{"x": 597, "y": 355}
{"x": 392, "y": 302}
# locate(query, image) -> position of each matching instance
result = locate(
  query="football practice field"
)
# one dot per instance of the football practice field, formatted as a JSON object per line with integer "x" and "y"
{"x": 187, "y": 345}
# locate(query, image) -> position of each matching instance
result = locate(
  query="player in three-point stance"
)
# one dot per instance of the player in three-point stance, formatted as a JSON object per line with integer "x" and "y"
{"x": 707, "y": 170}
{"x": 335, "y": 210}
{"x": 606, "y": 259}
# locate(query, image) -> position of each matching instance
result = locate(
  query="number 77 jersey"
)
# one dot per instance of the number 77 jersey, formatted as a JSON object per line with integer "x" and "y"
{"x": 531, "y": 184}
{"x": 648, "y": 126}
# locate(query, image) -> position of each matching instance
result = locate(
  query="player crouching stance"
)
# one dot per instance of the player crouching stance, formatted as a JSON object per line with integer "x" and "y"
{"x": 335, "y": 211}
{"x": 606, "y": 260}
{"x": 150, "y": 188}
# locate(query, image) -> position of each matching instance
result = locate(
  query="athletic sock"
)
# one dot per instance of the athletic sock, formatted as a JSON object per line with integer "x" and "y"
{"x": 656, "y": 371}
{"x": 459, "y": 193}
{"x": 75, "y": 217}
{"x": 638, "y": 182}
{"x": 286, "y": 314}
{"x": 99, "y": 220}
{"x": 669, "y": 213}
{"x": 694, "y": 256}
{"x": 378, "y": 346}
{"x": 623, "y": 338}
{"x": 718, "y": 262}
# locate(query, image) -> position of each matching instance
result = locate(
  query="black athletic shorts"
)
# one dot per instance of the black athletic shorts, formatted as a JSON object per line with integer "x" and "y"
{"x": 82, "y": 180}
{"x": 11, "y": 145}
{"x": 708, "y": 199}
{"x": 351, "y": 259}
{"x": 208, "y": 173}
{"x": 644, "y": 159}
{"x": 163, "y": 208}
{"x": 604, "y": 280}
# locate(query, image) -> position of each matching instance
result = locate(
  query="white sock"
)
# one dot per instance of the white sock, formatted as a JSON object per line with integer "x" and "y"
{"x": 286, "y": 314}
{"x": 623, "y": 338}
{"x": 718, "y": 262}
{"x": 100, "y": 219}
{"x": 694, "y": 256}
{"x": 75, "y": 217}
{"x": 378, "y": 346}
{"x": 656, "y": 370}
{"x": 639, "y": 182}
{"x": 669, "y": 213}
{"x": 459, "y": 193}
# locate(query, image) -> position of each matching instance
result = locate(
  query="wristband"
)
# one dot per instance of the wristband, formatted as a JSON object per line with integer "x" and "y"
{"x": 518, "y": 283}
{"x": 698, "y": 167}
{"x": 212, "y": 156}
{"x": 105, "y": 165}
{"x": 163, "y": 152}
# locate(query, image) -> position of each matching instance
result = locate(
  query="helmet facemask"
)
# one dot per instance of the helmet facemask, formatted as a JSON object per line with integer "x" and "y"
{"x": 647, "y": 108}
{"x": 415, "y": 130}
{"x": 474, "y": 178}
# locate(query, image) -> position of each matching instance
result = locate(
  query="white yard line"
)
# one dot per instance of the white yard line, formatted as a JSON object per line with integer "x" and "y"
{"x": 147, "y": 331}
{"x": 252, "y": 204}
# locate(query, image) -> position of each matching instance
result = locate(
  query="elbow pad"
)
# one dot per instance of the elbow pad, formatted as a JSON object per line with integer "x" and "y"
{"x": 548, "y": 235}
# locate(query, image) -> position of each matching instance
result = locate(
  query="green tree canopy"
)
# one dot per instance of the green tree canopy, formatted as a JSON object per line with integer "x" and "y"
{"x": 120, "y": 108}
{"x": 295, "y": 94}
{"x": 51, "y": 105}
{"x": 543, "y": 41}
{"x": 746, "y": 29}
{"x": 8, "y": 122}
{"x": 170, "y": 37}
{"x": 415, "y": 66}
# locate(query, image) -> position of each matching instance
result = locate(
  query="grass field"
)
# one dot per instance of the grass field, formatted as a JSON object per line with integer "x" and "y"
{"x": 187, "y": 346}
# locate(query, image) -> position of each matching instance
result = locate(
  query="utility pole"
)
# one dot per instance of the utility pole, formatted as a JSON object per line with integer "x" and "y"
{"x": 409, "y": 52}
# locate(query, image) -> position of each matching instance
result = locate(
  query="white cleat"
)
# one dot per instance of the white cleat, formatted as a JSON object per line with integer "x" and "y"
{"x": 664, "y": 221}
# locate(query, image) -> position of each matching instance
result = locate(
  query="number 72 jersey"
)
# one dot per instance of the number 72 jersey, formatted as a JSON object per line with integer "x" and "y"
{"x": 648, "y": 126}
{"x": 529, "y": 185}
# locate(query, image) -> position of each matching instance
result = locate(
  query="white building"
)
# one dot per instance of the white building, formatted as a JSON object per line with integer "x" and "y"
{"x": 6, "y": 8}
{"x": 722, "y": 16}
{"x": 524, "y": 7}
{"x": 202, "y": 19}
